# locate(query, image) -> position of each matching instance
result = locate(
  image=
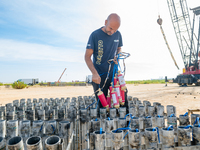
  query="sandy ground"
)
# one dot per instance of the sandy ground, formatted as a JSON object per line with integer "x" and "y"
{"x": 183, "y": 98}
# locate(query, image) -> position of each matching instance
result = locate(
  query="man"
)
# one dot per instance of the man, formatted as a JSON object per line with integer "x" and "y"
{"x": 103, "y": 44}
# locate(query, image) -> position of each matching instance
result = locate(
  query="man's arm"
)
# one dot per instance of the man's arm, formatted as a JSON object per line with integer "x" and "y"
{"x": 118, "y": 51}
{"x": 95, "y": 76}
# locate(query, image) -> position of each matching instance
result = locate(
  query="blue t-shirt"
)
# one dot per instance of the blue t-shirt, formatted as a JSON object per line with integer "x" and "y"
{"x": 105, "y": 48}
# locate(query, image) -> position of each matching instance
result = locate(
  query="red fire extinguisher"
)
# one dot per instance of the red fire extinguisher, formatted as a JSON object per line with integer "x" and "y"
{"x": 121, "y": 81}
{"x": 115, "y": 80}
{"x": 118, "y": 90}
{"x": 109, "y": 100}
{"x": 123, "y": 96}
{"x": 102, "y": 99}
{"x": 114, "y": 98}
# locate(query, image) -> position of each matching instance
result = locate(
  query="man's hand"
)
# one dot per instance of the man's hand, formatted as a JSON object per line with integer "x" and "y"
{"x": 115, "y": 60}
{"x": 96, "y": 78}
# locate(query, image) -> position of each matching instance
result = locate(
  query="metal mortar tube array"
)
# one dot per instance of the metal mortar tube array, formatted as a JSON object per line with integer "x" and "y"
{"x": 148, "y": 126}
{"x": 78, "y": 123}
{"x": 24, "y": 125}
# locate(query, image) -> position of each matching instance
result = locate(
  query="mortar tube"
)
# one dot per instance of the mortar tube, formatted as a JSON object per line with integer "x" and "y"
{"x": 12, "y": 128}
{"x": 141, "y": 111}
{"x": 196, "y": 134}
{"x": 2, "y": 128}
{"x": 41, "y": 114}
{"x": 28, "y": 101}
{"x": 122, "y": 123}
{"x": 135, "y": 99}
{"x": 103, "y": 113}
{"x": 131, "y": 110}
{"x": 160, "y": 110}
{"x": 172, "y": 121}
{"x": 52, "y": 143}
{"x": 156, "y": 104}
{"x": 95, "y": 125}
{"x": 134, "y": 123}
{"x": 193, "y": 118}
{"x": 160, "y": 123}
{"x": 84, "y": 116}
{"x": 184, "y": 120}
{"x": 130, "y": 104}
{"x": 10, "y": 115}
{"x": 151, "y": 111}
{"x": 61, "y": 114}
{"x": 122, "y": 112}
{"x": 134, "y": 139}
{"x": 34, "y": 100}
{"x": 65, "y": 132}
{"x": 38, "y": 128}
{"x": 146, "y": 105}
{"x": 51, "y": 114}
{"x": 25, "y": 128}
{"x": 117, "y": 139}
{"x": 184, "y": 136}
{"x": 34, "y": 143}
{"x": 109, "y": 125}
{"x": 171, "y": 110}
{"x": 167, "y": 138}
{"x": 147, "y": 122}
{"x": 16, "y": 103}
{"x": 15, "y": 143}
{"x": 2, "y": 143}
{"x": 100, "y": 137}
{"x": 151, "y": 138}
{"x": 51, "y": 127}
{"x": 30, "y": 115}
{"x": 93, "y": 113}
{"x": 21, "y": 115}
{"x": 113, "y": 113}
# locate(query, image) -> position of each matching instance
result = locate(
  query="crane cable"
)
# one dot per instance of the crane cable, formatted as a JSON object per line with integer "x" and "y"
{"x": 159, "y": 21}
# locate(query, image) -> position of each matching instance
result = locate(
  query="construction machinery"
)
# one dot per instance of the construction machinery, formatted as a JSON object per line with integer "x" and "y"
{"x": 188, "y": 40}
{"x": 61, "y": 75}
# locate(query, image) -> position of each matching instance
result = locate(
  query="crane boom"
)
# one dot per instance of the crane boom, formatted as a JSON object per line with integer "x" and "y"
{"x": 61, "y": 75}
{"x": 184, "y": 33}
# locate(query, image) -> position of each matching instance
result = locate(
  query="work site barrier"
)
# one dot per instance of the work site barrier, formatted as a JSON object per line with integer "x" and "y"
{"x": 78, "y": 124}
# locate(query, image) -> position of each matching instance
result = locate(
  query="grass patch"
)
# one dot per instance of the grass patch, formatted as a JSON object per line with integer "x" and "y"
{"x": 1, "y": 84}
{"x": 19, "y": 85}
{"x": 146, "y": 82}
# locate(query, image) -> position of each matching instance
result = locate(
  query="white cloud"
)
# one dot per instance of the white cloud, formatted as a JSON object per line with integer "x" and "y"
{"x": 15, "y": 50}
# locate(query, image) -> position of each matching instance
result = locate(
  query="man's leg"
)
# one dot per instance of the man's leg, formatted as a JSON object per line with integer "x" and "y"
{"x": 126, "y": 101}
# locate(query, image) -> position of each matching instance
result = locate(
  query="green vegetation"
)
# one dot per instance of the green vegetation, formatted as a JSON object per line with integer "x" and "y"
{"x": 1, "y": 84}
{"x": 146, "y": 82}
{"x": 18, "y": 85}
{"x": 8, "y": 84}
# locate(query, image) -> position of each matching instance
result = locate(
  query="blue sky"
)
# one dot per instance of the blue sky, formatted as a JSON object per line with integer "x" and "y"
{"x": 38, "y": 39}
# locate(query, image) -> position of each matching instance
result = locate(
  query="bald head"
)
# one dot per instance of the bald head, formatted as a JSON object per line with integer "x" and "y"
{"x": 113, "y": 17}
{"x": 112, "y": 24}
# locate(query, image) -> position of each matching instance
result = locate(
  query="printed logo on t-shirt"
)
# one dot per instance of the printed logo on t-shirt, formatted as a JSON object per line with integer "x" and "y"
{"x": 100, "y": 52}
{"x": 116, "y": 40}
{"x": 88, "y": 44}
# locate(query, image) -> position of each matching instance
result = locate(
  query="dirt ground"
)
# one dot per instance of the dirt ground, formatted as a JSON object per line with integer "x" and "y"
{"x": 183, "y": 98}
